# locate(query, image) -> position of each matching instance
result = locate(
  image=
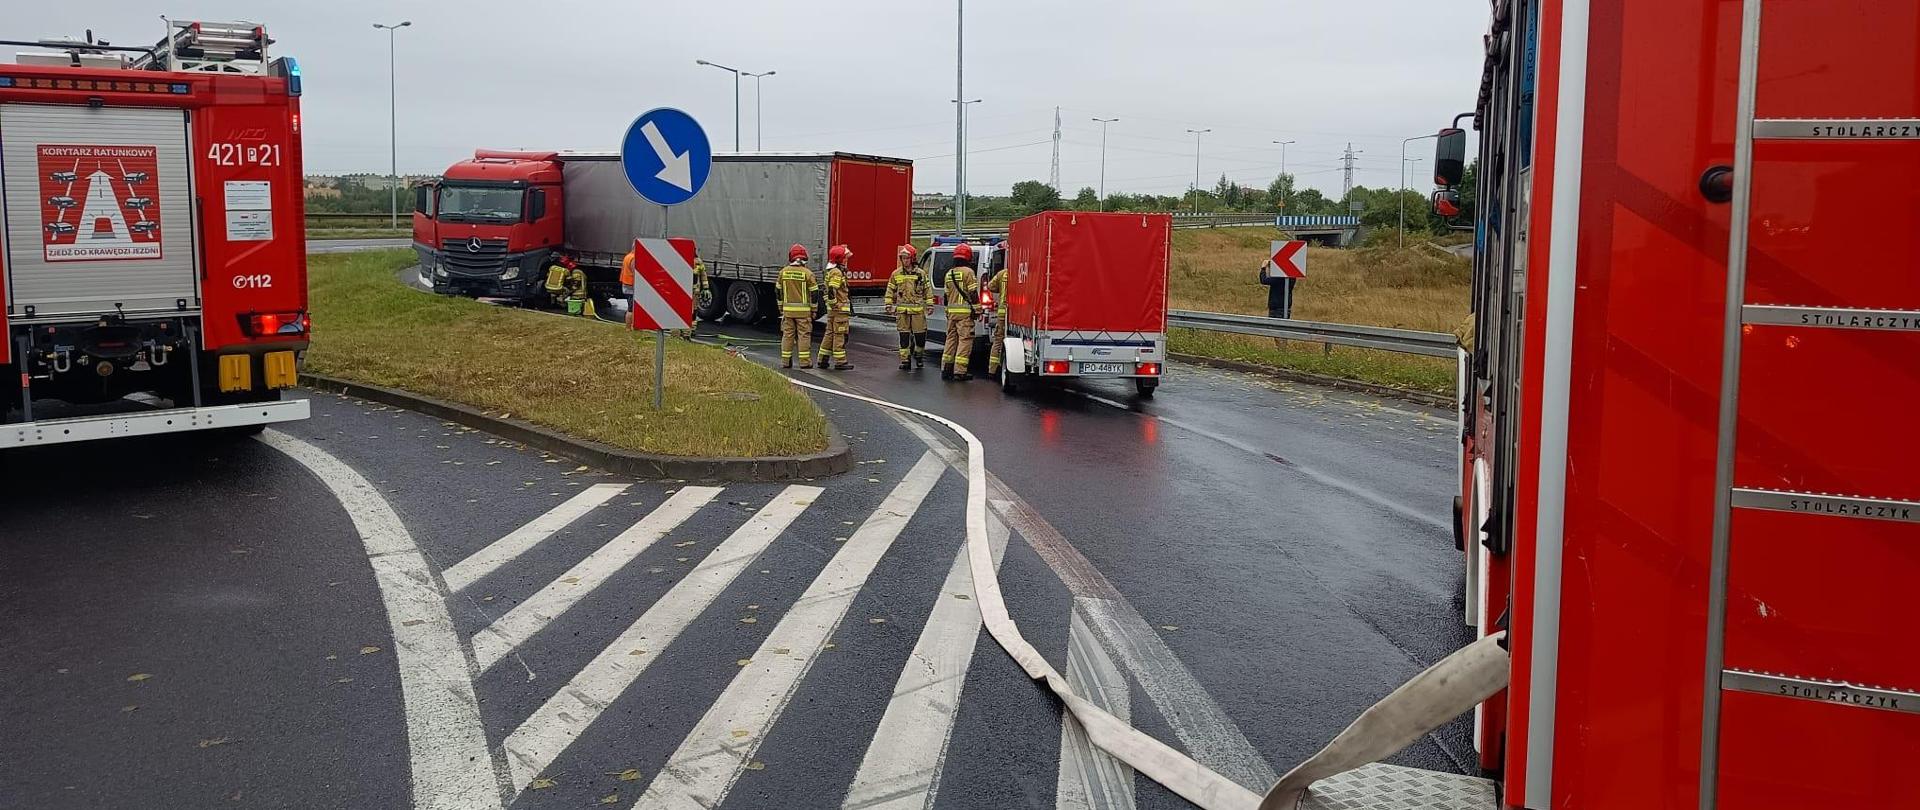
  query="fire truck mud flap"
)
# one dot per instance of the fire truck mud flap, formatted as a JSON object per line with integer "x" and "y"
{"x": 1346, "y": 774}
{"x": 150, "y": 423}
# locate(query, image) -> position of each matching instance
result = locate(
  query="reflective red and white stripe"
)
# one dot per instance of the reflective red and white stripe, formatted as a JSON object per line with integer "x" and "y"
{"x": 663, "y": 283}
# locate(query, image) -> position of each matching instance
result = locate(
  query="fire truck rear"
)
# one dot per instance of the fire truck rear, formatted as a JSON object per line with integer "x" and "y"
{"x": 153, "y": 245}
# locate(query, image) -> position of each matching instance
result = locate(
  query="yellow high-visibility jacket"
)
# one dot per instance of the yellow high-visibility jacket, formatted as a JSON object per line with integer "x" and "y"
{"x": 838, "y": 297}
{"x": 798, "y": 288}
{"x": 907, "y": 290}
{"x": 963, "y": 290}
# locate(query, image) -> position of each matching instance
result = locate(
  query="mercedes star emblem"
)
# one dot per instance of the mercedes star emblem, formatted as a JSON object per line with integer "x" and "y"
{"x": 473, "y": 244}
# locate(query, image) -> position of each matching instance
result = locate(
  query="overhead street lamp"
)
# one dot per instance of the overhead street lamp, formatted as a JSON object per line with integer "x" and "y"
{"x": 736, "y": 97}
{"x": 1103, "y": 159}
{"x": 1399, "y": 203}
{"x": 1196, "y": 133}
{"x": 960, "y": 172}
{"x": 1283, "y": 155}
{"x": 756, "y": 105}
{"x": 393, "y": 126}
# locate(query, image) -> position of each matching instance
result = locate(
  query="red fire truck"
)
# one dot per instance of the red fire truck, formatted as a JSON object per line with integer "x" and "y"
{"x": 153, "y": 242}
{"x": 1689, "y": 490}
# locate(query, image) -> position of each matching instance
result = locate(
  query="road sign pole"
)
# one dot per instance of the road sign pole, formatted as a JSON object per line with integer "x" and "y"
{"x": 659, "y": 366}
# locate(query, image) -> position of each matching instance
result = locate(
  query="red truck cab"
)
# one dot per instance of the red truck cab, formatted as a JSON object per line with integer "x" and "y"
{"x": 490, "y": 225}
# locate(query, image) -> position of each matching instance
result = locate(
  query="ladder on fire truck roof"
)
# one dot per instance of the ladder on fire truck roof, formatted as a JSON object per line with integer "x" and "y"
{"x": 209, "y": 47}
{"x": 1739, "y": 316}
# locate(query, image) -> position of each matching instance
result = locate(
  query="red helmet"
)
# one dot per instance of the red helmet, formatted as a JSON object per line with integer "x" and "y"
{"x": 963, "y": 252}
{"x": 838, "y": 254}
{"x": 911, "y": 253}
{"x": 797, "y": 253}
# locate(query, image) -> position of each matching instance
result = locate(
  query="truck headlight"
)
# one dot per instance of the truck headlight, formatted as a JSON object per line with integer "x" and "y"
{"x": 439, "y": 272}
{"x": 510, "y": 273}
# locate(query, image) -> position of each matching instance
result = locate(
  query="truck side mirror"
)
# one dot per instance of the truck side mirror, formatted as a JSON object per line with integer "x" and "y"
{"x": 1450, "y": 157}
{"x": 536, "y": 205}
{"x": 1446, "y": 204}
{"x": 420, "y": 199}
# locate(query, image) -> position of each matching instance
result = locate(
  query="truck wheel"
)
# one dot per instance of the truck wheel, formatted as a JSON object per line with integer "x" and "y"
{"x": 710, "y": 307}
{"x": 1009, "y": 381}
{"x": 1145, "y": 385}
{"x": 743, "y": 302}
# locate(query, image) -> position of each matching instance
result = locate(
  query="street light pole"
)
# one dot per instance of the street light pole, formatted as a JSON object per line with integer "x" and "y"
{"x": 736, "y": 97}
{"x": 1196, "y": 133}
{"x": 960, "y": 183}
{"x": 1103, "y": 159}
{"x": 1400, "y": 203}
{"x": 756, "y": 106}
{"x": 1283, "y": 155}
{"x": 393, "y": 127}
{"x": 959, "y": 117}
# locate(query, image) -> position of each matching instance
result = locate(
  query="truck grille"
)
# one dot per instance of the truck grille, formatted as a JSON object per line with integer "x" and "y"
{"x": 461, "y": 257}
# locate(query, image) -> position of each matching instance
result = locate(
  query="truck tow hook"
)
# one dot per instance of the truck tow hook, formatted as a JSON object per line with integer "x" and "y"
{"x": 158, "y": 354}
{"x": 62, "y": 362}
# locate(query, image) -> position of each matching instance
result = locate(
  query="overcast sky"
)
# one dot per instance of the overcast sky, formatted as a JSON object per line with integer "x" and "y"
{"x": 873, "y": 76}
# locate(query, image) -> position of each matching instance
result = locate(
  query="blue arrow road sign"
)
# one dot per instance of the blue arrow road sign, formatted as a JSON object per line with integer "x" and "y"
{"x": 666, "y": 156}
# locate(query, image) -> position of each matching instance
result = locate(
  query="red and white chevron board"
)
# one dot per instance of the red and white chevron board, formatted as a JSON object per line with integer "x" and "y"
{"x": 663, "y": 283}
{"x": 1289, "y": 259}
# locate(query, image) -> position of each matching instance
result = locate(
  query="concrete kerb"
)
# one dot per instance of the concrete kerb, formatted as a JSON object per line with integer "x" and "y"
{"x": 1420, "y": 397}
{"x": 834, "y": 460}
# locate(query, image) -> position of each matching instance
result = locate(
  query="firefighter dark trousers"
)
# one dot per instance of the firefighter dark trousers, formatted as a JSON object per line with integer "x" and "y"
{"x": 795, "y": 328}
{"x": 833, "y": 342}
{"x": 913, "y": 334}
{"x": 959, "y": 353}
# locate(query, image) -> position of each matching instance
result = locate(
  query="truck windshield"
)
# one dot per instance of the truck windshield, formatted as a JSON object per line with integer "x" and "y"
{"x": 489, "y": 203}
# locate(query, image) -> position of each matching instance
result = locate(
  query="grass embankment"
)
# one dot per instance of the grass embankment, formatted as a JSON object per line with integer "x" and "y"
{"x": 582, "y": 377}
{"x": 358, "y": 233}
{"x": 1416, "y": 288}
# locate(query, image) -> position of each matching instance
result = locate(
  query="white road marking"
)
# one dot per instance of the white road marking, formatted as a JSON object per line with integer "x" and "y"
{"x": 522, "y": 540}
{"x": 538, "y": 741}
{"x": 447, "y": 745}
{"x": 708, "y": 762}
{"x": 1091, "y": 779}
{"x": 1210, "y": 736}
{"x": 527, "y": 618}
{"x": 902, "y": 766}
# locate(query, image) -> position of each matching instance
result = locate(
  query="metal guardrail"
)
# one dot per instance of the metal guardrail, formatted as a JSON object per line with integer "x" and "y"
{"x": 1408, "y": 341}
{"x": 1181, "y": 221}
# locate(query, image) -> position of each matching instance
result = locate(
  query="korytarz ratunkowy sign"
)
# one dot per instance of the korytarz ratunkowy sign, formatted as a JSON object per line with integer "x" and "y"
{"x": 99, "y": 202}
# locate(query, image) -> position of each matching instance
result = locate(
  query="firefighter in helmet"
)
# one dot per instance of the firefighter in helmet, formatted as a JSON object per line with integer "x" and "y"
{"x": 906, "y": 300}
{"x": 997, "y": 289}
{"x": 833, "y": 342}
{"x": 799, "y": 289}
{"x": 963, "y": 304}
{"x": 566, "y": 286}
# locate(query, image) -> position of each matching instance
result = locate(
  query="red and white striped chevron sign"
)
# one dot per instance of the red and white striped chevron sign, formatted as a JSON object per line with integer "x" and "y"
{"x": 663, "y": 283}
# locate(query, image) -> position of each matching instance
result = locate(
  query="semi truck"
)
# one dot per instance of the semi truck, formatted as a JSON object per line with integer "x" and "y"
{"x": 153, "y": 259}
{"x": 1087, "y": 297}
{"x": 1687, "y": 484}
{"x": 490, "y": 226}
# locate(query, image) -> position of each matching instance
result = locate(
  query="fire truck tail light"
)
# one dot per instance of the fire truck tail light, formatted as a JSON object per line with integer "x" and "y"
{"x": 1147, "y": 368}
{"x": 1055, "y": 367}
{"x": 263, "y": 324}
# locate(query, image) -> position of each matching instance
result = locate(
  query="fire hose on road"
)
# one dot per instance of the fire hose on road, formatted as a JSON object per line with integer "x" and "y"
{"x": 1449, "y": 688}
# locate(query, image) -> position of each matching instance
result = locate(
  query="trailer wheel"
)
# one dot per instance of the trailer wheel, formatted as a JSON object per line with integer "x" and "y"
{"x": 743, "y": 302}
{"x": 1145, "y": 385}
{"x": 1009, "y": 381}
{"x": 710, "y": 306}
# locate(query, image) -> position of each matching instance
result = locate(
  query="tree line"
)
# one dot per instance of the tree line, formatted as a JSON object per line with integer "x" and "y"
{"x": 1378, "y": 207}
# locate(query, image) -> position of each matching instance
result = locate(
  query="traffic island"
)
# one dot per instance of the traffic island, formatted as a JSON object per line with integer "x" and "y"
{"x": 569, "y": 386}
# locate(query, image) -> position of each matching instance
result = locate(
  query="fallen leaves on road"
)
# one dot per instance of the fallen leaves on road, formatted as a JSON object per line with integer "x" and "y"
{"x": 413, "y": 622}
{"x": 542, "y": 783}
{"x": 215, "y": 741}
{"x": 876, "y": 620}
{"x": 125, "y": 709}
{"x": 743, "y": 662}
{"x": 749, "y": 620}
{"x": 636, "y": 652}
{"x": 628, "y": 775}
{"x": 1169, "y": 627}
{"x": 756, "y": 765}
{"x": 138, "y": 677}
{"x": 611, "y": 798}
{"x": 369, "y": 649}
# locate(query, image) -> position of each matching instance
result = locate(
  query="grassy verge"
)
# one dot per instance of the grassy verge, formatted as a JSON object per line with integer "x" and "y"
{"x": 581, "y": 377}
{"x": 358, "y": 233}
{"x": 1416, "y": 288}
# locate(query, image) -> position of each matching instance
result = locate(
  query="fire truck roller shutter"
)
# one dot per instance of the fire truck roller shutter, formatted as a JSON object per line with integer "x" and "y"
{"x": 97, "y": 247}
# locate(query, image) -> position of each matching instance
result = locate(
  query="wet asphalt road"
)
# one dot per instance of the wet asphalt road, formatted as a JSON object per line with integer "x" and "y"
{"x": 1269, "y": 553}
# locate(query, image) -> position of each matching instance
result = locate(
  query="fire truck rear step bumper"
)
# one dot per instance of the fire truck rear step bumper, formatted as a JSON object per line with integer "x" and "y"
{"x": 1385, "y": 786}
{"x": 150, "y": 423}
